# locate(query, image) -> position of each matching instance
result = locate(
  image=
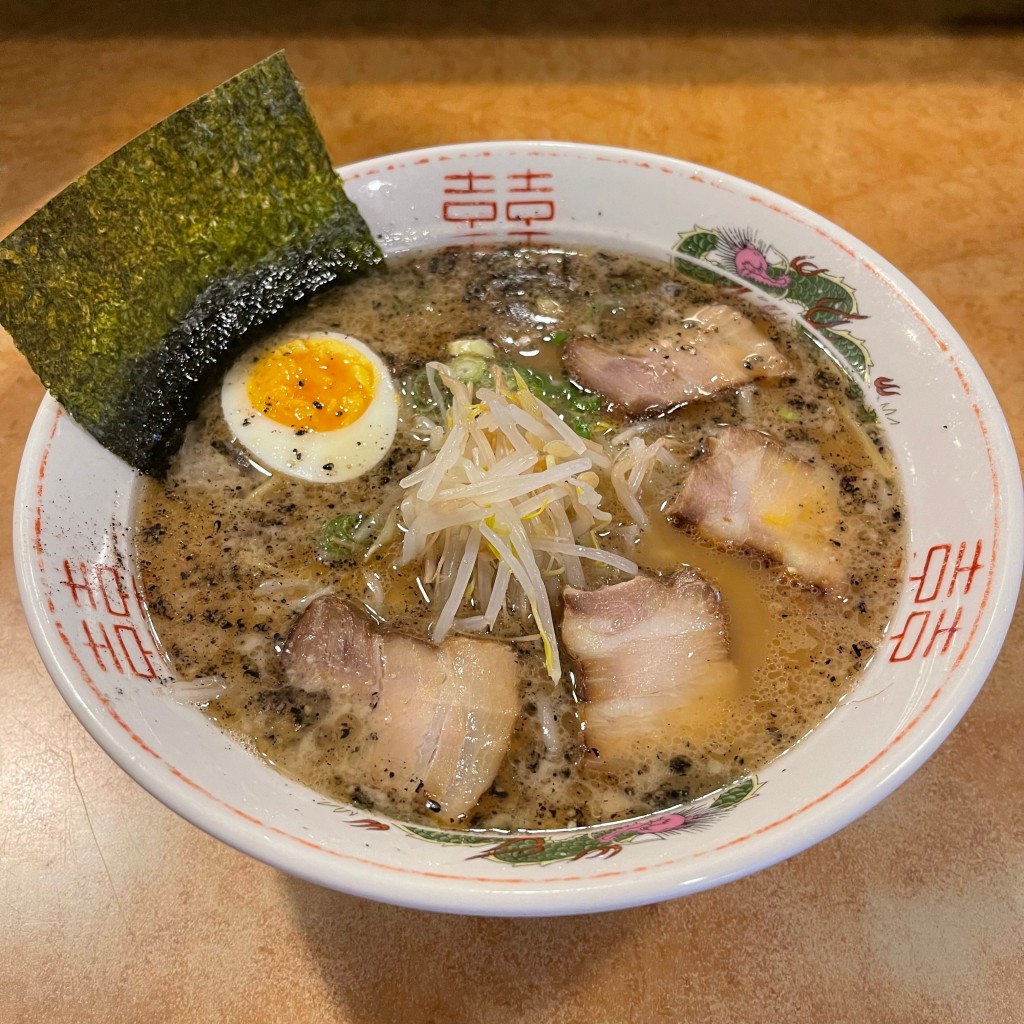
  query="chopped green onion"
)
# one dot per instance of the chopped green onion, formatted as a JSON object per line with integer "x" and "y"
{"x": 470, "y": 369}
{"x": 580, "y": 426}
{"x": 339, "y": 537}
{"x": 471, "y": 347}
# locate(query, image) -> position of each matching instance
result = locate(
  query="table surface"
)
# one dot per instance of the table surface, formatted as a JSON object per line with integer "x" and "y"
{"x": 908, "y": 134}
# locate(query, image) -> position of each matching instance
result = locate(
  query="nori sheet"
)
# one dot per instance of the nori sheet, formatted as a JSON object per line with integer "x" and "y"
{"x": 126, "y": 290}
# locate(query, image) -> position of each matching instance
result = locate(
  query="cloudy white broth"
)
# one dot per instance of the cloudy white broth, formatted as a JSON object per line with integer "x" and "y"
{"x": 234, "y": 553}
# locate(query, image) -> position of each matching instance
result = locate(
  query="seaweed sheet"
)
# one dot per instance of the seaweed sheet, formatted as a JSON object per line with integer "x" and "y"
{"x": 127, "y": 289}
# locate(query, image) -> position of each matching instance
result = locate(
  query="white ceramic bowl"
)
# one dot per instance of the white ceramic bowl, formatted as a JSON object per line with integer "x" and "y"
{"x": 963, "y": 501}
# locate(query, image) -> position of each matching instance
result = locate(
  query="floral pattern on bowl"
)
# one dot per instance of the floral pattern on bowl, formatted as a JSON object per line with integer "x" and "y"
{"x": 542, "y": 848}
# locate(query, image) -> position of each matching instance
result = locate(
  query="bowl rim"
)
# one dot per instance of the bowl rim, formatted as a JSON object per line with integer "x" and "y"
{"x": 592, "y": 895}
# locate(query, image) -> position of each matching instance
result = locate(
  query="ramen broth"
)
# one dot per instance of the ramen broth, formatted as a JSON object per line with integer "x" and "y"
{"x": 230, "y": 555}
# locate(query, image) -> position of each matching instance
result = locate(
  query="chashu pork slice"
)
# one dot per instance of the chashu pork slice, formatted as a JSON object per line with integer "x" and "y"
{"x": 749, "y": 491}
{"x": 716, "y": 349}
{"x": 649, "y": 650}
{"x": 437, "y": 715}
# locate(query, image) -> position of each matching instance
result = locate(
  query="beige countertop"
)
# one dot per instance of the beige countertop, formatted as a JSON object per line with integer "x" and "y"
{"x": 908, "y": 135}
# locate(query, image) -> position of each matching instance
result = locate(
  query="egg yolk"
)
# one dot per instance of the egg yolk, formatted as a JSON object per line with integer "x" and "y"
{"x": 312, "y": 383}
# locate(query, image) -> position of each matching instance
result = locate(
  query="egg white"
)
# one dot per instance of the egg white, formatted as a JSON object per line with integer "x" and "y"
{"x": 320, "y": 456}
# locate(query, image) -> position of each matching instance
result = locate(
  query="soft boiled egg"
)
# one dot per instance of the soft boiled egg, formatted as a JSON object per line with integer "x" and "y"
{"x": 317, "y": 406}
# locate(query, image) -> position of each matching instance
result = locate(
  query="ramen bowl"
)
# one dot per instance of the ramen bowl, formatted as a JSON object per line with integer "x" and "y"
{"x": 960, "y": 578}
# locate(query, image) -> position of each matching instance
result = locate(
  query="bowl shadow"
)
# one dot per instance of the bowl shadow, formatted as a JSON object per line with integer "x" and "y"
{"x": 382, "y": 963}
